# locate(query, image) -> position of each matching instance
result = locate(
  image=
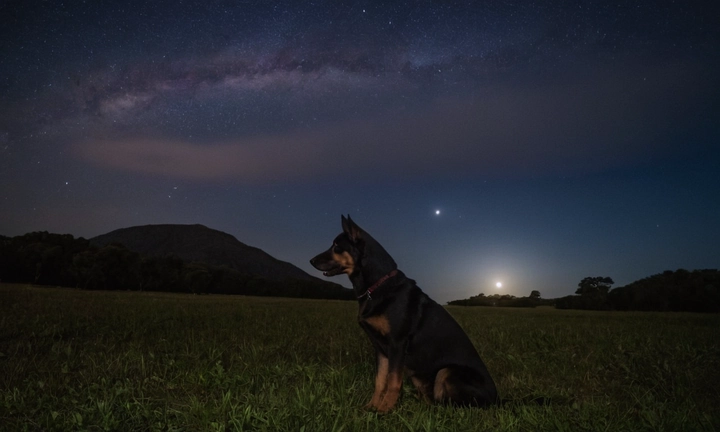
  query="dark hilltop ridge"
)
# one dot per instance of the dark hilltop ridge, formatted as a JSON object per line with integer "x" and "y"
{"x": 198, "y": 243}
{"x": 166, "y": 258}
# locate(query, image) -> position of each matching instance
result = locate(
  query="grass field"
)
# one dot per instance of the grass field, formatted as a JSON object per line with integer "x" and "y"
{"x": 78, "y": 360}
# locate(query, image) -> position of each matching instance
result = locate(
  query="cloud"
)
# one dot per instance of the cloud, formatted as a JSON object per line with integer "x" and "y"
{"x": 251, "y": 160}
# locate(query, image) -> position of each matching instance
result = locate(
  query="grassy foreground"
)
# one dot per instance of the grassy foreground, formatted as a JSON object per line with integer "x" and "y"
{"x": 79, "y": 360}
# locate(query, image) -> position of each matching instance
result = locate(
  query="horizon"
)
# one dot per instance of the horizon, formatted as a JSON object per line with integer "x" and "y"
{"x": 498, "y": 285}
{"x": 479, "y": 144}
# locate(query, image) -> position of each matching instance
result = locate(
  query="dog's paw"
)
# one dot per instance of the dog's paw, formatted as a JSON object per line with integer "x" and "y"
{"x": 383, "y": 408}
{"x": 378, "y": 408}
{"x": 371, "y": 406}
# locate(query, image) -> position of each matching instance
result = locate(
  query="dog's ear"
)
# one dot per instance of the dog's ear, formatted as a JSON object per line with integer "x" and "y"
{"x": 351, "y": 229}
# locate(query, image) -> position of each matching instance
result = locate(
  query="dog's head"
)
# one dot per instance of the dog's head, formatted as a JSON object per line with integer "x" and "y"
{"x": 351, "y": 252}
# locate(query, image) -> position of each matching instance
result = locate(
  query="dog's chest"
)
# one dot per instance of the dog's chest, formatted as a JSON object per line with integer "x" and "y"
{"x": 373, "y": 314}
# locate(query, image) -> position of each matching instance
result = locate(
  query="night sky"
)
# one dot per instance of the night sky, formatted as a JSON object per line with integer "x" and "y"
{"x": 557, "y": 140}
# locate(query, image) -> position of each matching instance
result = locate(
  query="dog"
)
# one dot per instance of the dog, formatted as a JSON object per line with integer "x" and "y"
{"x": 411, "y": 333}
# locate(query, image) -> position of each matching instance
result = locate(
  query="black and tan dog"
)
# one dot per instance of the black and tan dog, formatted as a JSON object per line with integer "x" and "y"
{"x": 409, "y": 331}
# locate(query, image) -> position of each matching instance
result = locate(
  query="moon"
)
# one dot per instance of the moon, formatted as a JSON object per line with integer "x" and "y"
{"x": 498, "y": 285}
{"x": 437, "y": 212}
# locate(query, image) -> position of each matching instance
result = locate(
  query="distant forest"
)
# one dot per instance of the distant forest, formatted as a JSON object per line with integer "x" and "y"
{"x": 44, "y": 258}
{"x": 676, "y": 291}
{"x": 504, "y": 300}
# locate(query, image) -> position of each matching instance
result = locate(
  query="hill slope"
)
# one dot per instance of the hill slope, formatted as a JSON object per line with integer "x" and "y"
{"x": 200, "y": 243}
{"x": 680, "y": 290}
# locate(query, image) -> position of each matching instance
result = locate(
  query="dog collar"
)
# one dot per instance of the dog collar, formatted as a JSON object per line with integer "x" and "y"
{"x": 377, "y": 284}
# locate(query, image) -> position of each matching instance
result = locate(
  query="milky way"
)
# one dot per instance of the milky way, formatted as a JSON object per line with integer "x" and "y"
{"x": 227, "y": 113}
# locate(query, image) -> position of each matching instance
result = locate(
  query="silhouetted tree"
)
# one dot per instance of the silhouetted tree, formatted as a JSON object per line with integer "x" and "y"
{"x": 535, "y": 295}
{"x": 87, "y": 273}
{"x": 113, "y": 267}
{"x": 197, "y": 278}
{"x": 592, "y": 295}
{"x": 594, "y": 286}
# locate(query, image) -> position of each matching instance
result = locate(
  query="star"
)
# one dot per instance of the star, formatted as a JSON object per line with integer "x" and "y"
{"x": 416, "y": 103}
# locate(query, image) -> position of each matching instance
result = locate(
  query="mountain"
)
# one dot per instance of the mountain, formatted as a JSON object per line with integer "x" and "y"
{"x": 202, "y": 244}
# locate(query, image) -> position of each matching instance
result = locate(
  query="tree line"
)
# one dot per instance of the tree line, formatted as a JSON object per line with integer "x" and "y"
{"x": 44, "y": 258}
{"x": 678, "y": 291}
{"x": 504, "y": 300}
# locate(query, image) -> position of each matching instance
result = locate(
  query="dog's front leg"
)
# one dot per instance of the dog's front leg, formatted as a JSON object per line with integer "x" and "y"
{"x": 393, "y": 384}
{"x": 381, "y": 380}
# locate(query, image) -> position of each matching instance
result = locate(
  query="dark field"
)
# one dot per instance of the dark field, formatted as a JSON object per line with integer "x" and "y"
{"x": 80, "y": 360}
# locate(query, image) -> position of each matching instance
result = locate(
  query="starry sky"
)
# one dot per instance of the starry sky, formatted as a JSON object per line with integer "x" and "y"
{"x": 557, "y": 140}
